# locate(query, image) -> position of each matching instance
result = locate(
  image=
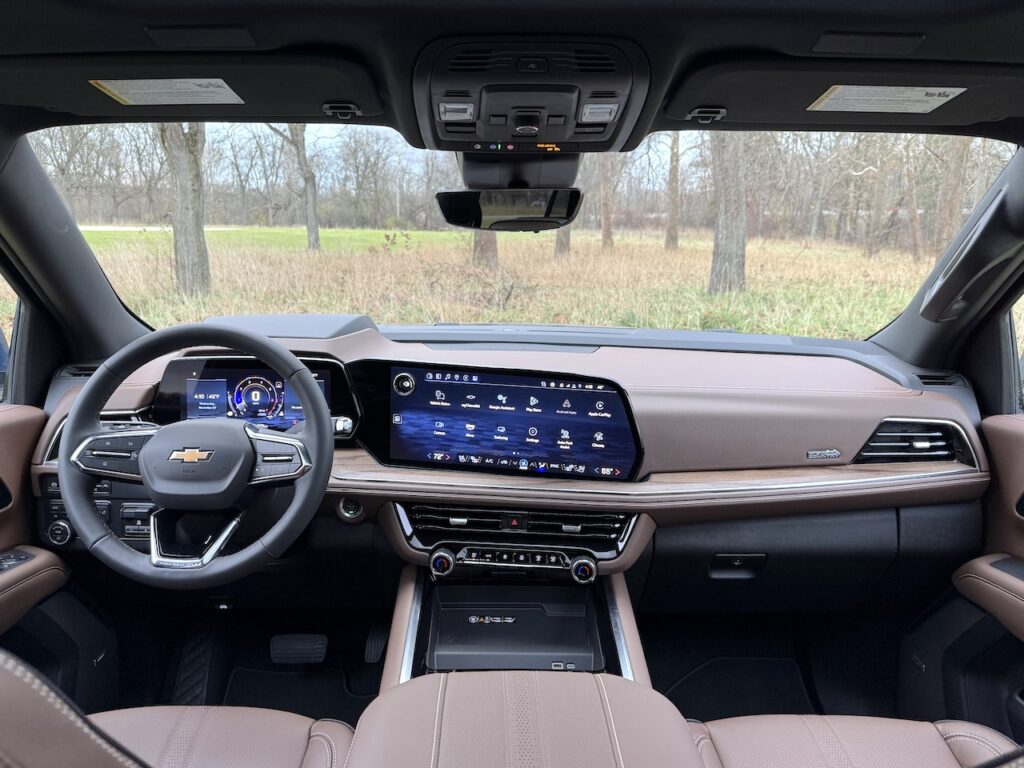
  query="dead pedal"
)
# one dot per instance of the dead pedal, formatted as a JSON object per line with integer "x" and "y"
{"x": 376, "y": 641}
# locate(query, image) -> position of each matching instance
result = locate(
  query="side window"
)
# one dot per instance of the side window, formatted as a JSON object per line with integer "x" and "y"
{"x": 8, "y": 307}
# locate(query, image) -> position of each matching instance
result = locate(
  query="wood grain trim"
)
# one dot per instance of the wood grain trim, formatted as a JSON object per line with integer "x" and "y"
{"x": 356, "y": 472}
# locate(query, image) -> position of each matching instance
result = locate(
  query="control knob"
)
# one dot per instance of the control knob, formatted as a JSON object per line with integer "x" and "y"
{"x": 59, "y": 533}
{"x": 583, "y": 570}
{"x": 442, "y": 562}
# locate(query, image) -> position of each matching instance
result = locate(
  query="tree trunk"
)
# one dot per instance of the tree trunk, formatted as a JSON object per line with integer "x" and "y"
{"x": 607, "y": 238}
{"x": 183, "y": 145}
{"x": 485, "y": 249}
{"x": 951, "y": 188}
{"x": 672, "y": 219}
{"x": 728, "y": 258}
{"x": 297, "y": 134}
{"x": 563, "y": 243}
{"x": 913, "y": 217}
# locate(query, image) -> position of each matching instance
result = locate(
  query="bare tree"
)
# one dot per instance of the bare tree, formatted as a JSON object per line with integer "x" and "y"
{"x": 296, "y": 139}
{"x": 607, "y": 195}
{"x": 672, "y": 216}
{"x": 728, "y": 257}
{"x": 485, "y": 249}
{"x": 183, "y": 144}
{"x": 563, "y": 242}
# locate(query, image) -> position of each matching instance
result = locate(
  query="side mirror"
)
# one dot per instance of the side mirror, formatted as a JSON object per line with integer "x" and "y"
{"x": 510, "y": 210}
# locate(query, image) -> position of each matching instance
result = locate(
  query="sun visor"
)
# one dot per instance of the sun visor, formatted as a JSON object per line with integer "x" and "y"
{"x": 215, "y": 86}
{"x": 830, "y": 92}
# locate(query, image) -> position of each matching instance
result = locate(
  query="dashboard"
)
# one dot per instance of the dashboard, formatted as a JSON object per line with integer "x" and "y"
{"x": 549, "y": 453}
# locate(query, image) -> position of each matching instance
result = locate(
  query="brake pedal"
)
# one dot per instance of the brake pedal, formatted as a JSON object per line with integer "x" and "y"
{"x": 298, "y": 649}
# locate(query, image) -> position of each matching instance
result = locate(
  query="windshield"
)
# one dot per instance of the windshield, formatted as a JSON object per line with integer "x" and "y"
{"x": 810, "y": 234}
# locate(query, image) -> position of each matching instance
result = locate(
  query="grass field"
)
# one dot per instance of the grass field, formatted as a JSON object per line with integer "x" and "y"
{"x": 807, "y": 289}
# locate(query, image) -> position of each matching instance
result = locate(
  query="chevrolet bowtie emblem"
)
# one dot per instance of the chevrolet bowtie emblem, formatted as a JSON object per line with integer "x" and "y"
{"x": 190, "y": 455}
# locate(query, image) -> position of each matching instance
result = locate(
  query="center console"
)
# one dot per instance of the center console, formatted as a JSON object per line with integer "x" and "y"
{"x": 504, "y": 624}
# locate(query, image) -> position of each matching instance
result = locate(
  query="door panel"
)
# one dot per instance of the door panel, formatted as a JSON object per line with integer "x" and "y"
{"x": 20, "y": 427}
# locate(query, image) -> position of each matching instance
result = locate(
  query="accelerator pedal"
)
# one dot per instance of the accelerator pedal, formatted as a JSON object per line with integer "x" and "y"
{"x": 376, "y": 641}
{"x": 298, "y": 649}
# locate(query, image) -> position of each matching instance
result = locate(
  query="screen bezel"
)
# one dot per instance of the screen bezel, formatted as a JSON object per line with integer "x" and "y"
{"x": 372, "y": 382}
{"x": 169, "y": 401}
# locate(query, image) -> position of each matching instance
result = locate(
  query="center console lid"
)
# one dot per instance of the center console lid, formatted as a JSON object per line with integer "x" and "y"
{"x": 574, "y": 720}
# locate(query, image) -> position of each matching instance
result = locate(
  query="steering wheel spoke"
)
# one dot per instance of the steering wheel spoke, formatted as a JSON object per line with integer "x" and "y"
{"x": 112, "y": 453}
{"x": 159, "y": 557}
{"x": 280, "y": 458}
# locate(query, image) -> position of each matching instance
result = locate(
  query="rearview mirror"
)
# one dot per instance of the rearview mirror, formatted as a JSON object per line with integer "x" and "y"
{"x": 510, "y": 210}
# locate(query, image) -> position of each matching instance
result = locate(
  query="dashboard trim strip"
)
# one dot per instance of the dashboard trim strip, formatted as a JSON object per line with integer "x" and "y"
{"x": 640, "y": 493}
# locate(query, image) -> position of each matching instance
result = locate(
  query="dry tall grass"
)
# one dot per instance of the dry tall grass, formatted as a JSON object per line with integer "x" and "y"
{"x": 807, "y": 289}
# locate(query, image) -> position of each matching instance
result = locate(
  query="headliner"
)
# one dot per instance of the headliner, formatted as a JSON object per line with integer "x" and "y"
{"x": 288, "y": 56}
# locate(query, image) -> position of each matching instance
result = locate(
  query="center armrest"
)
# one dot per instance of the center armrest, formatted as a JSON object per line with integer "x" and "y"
{"x": 570, "y": 720}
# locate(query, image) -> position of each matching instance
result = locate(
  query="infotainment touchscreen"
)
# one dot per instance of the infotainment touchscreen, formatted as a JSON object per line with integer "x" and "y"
{"x": 522, "y": 423}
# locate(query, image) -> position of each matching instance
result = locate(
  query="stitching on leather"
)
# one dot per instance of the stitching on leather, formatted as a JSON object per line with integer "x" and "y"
{"x": 505, "y": 709}
{"x": 190, "y": 754}
{"x": 437, "y": 720}
{"x": 846, "y": 750}
{"x": 337, "y": 722}
{"x": 611, "y": 720}
{"x": 170, "y": 737}
{"x": 327, "y": 744}
{"x": 348, "y": 755}
{"x": 975, "y": 738}
{"x": 817, "y": 744}
{"x": 43, "y": 689}
{"x": 543, "y": 739}
{"x": 334, "y": 747}
{"x": 27, "y": 579}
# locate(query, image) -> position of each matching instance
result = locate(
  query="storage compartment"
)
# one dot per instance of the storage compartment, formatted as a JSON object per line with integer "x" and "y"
{"x": 810, "y": 563}
{"x": 542, "y": 627}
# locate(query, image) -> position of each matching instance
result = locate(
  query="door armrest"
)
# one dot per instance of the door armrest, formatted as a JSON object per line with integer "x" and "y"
{"x": 996, "y": 583}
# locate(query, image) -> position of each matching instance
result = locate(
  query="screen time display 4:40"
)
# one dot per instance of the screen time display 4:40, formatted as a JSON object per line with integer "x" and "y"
{"x": 525, "y": 424}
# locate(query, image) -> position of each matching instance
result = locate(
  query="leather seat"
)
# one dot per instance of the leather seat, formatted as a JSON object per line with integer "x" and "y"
{"x": 796, "y": 741}
{"x": 40, "y": 728}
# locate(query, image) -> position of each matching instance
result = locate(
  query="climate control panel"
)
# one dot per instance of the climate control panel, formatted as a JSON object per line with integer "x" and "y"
{"x": 582, "y": 568}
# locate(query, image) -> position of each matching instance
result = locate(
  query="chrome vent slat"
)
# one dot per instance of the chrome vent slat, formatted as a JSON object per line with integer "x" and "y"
{"x": 570, "y": 526}
{"x": 904, "y": 440}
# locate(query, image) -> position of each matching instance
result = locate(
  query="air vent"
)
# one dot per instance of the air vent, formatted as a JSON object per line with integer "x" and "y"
{"x": 456, "y": 94}
{"x": 941, "y": 380}
{"x": 599, "y": 531}
{"x": 898, "y": 440}
{"x": 480, "y": 60}
{"x": 583, "y": 61}
{"x": 83, "y": 371}
{"x": 604, "y": 94}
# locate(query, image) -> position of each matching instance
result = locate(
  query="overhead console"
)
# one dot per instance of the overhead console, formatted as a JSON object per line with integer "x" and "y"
{"x": 529, "y": 97}
{"x": 513, "y": 422}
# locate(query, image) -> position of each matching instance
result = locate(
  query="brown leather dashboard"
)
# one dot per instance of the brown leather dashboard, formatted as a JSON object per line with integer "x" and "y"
{"x": 724, "y": 433}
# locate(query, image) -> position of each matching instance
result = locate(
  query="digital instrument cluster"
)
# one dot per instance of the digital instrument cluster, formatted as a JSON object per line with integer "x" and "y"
{"x": 241, "y": 388}
{"x": 522, "y": 423}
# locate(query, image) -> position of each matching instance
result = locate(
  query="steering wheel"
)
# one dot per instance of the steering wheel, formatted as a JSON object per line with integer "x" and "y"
{"x": 206, "y": 466}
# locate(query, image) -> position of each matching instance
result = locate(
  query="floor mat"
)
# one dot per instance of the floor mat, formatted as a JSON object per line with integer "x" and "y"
{"x": 730, "y": 687}
{"x": 315, "y": 693}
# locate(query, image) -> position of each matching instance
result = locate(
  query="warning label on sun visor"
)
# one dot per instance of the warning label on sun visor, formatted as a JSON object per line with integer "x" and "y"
{"x": 883, "y": 98}
{"x": 169, "y": 91}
